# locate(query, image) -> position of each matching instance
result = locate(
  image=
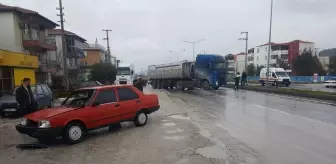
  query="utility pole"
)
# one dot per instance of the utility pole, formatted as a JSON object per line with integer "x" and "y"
{"x": 64, "y": 46}
{"x": 108, "y": 43}
{"x": 193, "y": 45}
{"x": 269, "y": 44}
{"x": 246, "y": 47}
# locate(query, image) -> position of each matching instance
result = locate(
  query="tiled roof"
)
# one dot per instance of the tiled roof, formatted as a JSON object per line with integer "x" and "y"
{"x": 6, "y": 8}
{"x": 59, "y": 32}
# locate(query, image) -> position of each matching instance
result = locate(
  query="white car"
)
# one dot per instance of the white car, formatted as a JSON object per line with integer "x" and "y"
{"x": 330, "y": 83}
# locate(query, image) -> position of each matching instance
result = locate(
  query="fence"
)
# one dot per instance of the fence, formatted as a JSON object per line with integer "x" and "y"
{"x": 299, "y": 79}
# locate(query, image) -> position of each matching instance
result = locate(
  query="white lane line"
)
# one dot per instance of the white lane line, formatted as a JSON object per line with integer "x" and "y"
{"x": 304, "y": 118}
{"x": 274, "y": 110}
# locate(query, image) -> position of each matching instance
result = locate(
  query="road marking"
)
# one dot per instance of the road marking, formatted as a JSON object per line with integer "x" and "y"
{"x": 303, "y": 99}
{"x": 304, "y": 118}
{"x": 274, "y": 110}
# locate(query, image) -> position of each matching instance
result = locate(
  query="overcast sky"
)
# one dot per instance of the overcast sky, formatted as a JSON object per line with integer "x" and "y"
{"x": 144, "y": 31}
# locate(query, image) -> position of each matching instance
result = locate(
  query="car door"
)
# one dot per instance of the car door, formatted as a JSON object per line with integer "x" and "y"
{"x": 40, "y": 98}
{"x": 104, "y": 108}
{"x": 46, "y": 94}
{"x": 128, "y": 100}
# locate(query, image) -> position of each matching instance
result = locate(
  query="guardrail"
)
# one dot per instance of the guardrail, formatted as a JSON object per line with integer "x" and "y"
{"x": 299, "y": 79}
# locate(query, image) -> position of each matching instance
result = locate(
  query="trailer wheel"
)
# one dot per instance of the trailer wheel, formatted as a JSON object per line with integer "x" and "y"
{"x": 205, "y": 85}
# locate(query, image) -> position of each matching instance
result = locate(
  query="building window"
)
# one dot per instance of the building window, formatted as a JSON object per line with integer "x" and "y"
{"x": 266, "y": 49}
{"x": 257, "y": 50}
{"x": 257, "y": 57}
{"x": 274, "y": 56}
{"x": 265, "y": 57}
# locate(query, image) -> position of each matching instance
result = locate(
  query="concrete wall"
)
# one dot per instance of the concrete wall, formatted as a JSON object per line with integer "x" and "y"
{"x": 93, "y": 57}
{"x": 10, "y": 34}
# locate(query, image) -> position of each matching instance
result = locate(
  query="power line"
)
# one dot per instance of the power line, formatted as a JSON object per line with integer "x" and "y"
{"x": 64, "y": 46}
{"x": 108, "y": 44}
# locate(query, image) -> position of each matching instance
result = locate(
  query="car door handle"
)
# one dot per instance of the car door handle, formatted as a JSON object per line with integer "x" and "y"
{"x": 117, "y": 105}
{"x": 138, "y": 101}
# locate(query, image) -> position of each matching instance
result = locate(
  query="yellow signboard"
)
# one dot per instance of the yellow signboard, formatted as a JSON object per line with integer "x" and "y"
{"x": 15, "y": 59}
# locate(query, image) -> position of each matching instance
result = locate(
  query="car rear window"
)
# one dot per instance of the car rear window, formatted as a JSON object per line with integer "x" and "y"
{"x": 45, "y": 89}
{"x": 106, "y": 96}
{"x": 126, "y": 94}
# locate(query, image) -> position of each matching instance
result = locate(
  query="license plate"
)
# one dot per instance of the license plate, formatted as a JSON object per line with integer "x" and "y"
{"x": 10, "y": 110}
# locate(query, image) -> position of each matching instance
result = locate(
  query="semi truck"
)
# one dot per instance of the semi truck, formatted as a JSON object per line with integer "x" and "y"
{"x": 125, "y": 74}
{"x": 208, "y": 71}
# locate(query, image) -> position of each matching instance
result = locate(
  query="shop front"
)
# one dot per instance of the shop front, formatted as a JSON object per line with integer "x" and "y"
{"x": 14, "y": 67}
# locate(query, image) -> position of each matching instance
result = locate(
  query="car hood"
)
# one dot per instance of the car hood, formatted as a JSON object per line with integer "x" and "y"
{"x": 47, "y": 113}
{"x": 7, "y": 99}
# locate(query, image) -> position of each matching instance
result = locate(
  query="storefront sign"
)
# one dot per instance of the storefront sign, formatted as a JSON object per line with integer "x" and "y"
{"x": 15, "y": 59}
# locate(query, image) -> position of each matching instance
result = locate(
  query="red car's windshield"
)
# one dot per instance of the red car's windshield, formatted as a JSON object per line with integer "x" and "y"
{"x": 79, "y": 98}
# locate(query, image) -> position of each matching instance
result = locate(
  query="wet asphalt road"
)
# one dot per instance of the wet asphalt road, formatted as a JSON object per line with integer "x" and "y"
{"x": 278, "y": 129}
{"x": 314, "y": 87}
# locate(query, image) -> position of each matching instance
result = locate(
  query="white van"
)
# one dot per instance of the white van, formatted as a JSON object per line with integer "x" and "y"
{"x": 278, "y": 76}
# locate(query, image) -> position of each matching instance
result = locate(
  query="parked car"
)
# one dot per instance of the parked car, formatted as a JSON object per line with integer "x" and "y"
{"x": 42, "y": 93}
{"x": 330, "y": 83}
{"x": 88, "y": 109}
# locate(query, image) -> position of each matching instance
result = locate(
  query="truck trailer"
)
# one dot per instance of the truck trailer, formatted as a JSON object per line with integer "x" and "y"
{"x": 208, "y": 71}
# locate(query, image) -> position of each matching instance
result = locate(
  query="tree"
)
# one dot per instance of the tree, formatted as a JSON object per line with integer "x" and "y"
{"x": 251, "y": 70}
{"x": 281, "y": 64}
{"x": 103, "y": 72}
{"x": 258, "y": 69}
{"x": 306, "y": 65}
{"x": 332, "y": 65}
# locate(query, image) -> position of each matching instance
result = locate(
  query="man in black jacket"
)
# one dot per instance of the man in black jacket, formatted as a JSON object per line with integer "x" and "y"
{"x": 139, "y": 83}
{"x": 24, "y": 96}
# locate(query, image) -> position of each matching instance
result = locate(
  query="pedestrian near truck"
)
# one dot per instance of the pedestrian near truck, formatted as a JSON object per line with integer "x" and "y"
{"x": 139, "y": 84}
{"x": 25, "y": 98}
{"x": 237, "y": 80}
{"x": 244, "y": 79}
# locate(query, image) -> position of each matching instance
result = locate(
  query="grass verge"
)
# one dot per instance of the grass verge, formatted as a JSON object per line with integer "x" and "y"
{"x": 330, "y": 96}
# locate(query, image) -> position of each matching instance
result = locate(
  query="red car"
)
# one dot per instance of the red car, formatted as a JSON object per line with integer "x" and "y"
{"x": 88, "y": 109}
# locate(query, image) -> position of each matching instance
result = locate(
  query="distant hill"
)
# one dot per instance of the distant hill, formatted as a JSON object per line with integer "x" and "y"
{"x": 328, "y": 52}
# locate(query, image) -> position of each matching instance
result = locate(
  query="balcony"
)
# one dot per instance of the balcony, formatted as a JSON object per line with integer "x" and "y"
{"x": 75, "y": 52}
{"x": 38, "y": 44}
{"x": 49, "y": 66}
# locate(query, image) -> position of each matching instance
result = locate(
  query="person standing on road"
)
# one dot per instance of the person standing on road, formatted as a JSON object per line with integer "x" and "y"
{"x": 140, "y": 83}
{"x": 237, "y": 80}
{"x": 25, "y": 98}
{"x": 244, "y": 79}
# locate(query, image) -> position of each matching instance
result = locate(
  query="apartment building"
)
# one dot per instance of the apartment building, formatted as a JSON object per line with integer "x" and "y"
{"x": 23, "y": 42}
{"x": 286, "y": 52}
{"x": 94, "y": 53}
{"x": 74, "y": 50}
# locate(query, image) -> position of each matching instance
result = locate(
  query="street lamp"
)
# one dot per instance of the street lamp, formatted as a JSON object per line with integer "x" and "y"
{"x": 246, "y": 49}
{"x": 181, "y": 50}
{"x": 193, "y": 44}
{"x": 269, "y": 44}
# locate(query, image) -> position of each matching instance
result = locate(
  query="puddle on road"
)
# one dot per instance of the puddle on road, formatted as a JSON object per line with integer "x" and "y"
{"x": 212, "y": 152}
{"x": 183, "y": 161}
{"x": 168, "y": 124}
{"x": 179, "y": 117}
{"x": 175, "y": 138}
{"x": 174, "y": 131}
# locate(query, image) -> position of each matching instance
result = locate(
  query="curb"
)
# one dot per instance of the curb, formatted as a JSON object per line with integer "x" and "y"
{"x": 292, "y": 92}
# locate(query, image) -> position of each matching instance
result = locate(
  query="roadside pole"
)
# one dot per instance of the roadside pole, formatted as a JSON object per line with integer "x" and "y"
{"x": 108, "y": 44}
{"x": 64, "y": 46}
{"x": 269, "y": 44}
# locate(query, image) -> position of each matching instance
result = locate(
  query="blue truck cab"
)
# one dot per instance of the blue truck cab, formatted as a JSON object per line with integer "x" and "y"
{"x": 210, "y": 71}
